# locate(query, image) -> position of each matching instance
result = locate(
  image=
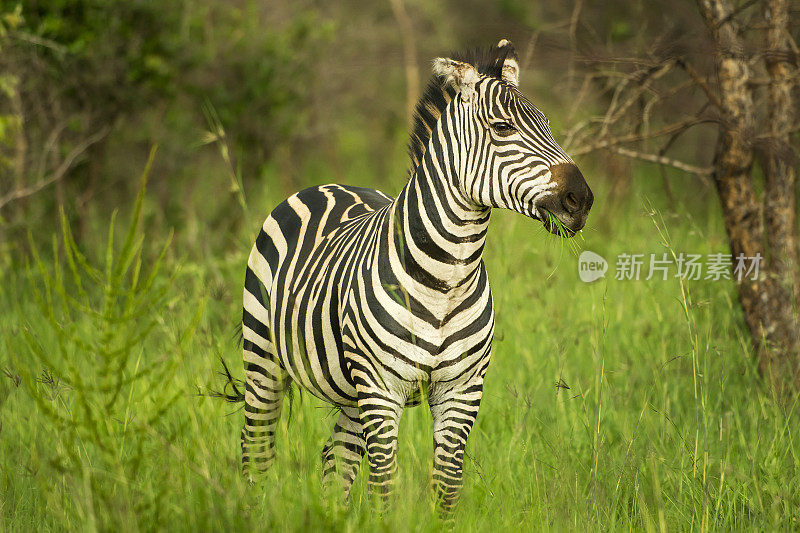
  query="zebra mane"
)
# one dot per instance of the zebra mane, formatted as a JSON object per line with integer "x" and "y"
{"x": 437, "y": 94}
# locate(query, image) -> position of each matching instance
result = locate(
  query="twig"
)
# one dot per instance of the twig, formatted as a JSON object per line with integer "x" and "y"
{"x": 610, "y": 112}
{"x": 582, "y": 92}
{"x": 700, "y": 82}
{"x": 642, "y": 80}
{"x": 39, "y": 41}
{"x": 702, "y": 172}
{"x": 671, "y": 129}
{"x": 677, "y": 134}
{"x": 638, "y": 61}
{"x": 410, "y": 56}
{"x": 49, "y": 146}
{"x": 527, "y": 57}
{"x": 573, "y": 43}
{"x": 736, "y": 12}
{"x": 59, "y": 173}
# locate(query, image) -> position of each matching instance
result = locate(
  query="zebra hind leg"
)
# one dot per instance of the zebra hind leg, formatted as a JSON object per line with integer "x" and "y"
{"x": 344, "y": 450}
{"x": 266, "y": 383}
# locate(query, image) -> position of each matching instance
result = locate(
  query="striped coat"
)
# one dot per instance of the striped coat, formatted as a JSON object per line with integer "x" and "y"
{"x": 371, "y": 303}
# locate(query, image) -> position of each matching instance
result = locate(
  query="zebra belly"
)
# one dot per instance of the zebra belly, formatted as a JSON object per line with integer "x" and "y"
{"x": 309, "y": 244}
{"x": 311, "y": 352}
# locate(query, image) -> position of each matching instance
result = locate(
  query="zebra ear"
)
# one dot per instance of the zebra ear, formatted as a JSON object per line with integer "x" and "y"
{"x": 510, "y": 65}
{"x": 461, "y": 76}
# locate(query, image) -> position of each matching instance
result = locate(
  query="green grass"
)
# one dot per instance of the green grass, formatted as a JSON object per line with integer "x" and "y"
{"x": 612, "y": 405}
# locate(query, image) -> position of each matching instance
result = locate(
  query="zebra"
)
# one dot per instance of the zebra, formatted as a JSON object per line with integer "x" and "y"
{"x": 374, "y": 303}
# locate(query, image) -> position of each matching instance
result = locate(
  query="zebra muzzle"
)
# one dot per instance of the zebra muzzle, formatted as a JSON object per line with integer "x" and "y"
{"x": 568, "y": 203}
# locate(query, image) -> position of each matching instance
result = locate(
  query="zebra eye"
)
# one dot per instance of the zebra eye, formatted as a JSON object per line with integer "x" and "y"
{"x": 503, "y": 128}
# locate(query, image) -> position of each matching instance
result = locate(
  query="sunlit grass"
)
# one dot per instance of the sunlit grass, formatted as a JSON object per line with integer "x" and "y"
{"x": 615, "y": 405}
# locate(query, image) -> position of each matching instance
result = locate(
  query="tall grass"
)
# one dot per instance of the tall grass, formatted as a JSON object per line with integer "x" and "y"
{"x": 100, "y": 393}
{"x": 611, "y": 405}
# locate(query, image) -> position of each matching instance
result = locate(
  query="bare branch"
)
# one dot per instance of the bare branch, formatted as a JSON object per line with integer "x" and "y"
{"x": 573, "y": 43}
{"x": 49, "y": 147}
{"x": 700, "y": 82}
{"x": 671, "y": 129}
{"x": 527, "y": 57}
{"x": 59, "y": 173}
{"x": 736, "y": 12}
{"x": 642, "y": 80}
{"x": 39, "y": 41}
{"x": 701, "y": 172}
{"x": 409, "y": 56}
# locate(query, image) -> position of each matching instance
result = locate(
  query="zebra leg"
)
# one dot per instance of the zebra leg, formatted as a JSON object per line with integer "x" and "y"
{"x": 453, "y": 415}
{"x": 266, "y": 382}
{"x": 342, "y": 454}
{"x": 380, "y": 416}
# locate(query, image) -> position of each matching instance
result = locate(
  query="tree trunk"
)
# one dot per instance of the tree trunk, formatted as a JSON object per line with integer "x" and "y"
{"x": 409, "y": 57}
{"x": 767, "y": 301}
{"x": 780, "y": 203}
{"x": 779, "y": 200}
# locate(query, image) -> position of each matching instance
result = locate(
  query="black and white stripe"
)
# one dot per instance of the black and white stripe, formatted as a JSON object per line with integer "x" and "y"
{"x": 366, "y": 301}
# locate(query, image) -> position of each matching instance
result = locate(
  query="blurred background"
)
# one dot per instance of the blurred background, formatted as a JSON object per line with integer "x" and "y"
{"x": 305, "y": 92}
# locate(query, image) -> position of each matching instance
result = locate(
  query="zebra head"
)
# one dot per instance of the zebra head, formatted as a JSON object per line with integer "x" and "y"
{"x": 507, "y": 155}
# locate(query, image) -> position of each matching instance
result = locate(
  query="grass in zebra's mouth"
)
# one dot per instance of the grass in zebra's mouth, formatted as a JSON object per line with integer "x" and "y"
{"x": 555, "y": 226}
{"x": 567, "y": 236}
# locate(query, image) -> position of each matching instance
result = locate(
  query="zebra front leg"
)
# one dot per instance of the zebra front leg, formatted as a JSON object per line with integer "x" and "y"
{"x": 380, "y": 415}
{"x": 344, "y": 450}
{"x": 266, "y": 383}
{"x": 453, "y": 415}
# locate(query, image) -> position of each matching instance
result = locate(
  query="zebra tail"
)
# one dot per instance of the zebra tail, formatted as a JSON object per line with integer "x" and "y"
{"x": 238, "y": 334}
{"x": 236, "y": 394}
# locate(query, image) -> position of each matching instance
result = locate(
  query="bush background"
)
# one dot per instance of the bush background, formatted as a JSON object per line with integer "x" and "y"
{"x": 614, "y": 405}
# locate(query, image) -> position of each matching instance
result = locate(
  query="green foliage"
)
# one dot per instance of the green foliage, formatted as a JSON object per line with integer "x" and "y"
{"x": 71, "y": 70}
{"x": 10, "y": 20}
{"x": 109, "y": 55}
{"x": 564, "y": 234}
{"x": 100, "y": 391}
{"x": 520, "y": 12}
{"x": 616, "y": 405}
{"x": 259, "y": 81}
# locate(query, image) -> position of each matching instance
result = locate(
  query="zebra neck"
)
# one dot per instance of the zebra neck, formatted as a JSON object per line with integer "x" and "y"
{"x": 437, "y": 235}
